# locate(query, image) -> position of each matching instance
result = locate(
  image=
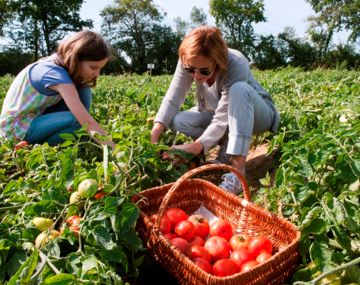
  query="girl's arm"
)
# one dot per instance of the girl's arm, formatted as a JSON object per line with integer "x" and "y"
{"x": 70, "y": 95}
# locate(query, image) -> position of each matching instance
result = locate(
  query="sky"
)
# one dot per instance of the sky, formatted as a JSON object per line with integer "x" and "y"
{"x": 278, "y": 13}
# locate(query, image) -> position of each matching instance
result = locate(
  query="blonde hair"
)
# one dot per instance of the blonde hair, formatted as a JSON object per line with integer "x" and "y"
{"x": 82, "y": 46}
{"x": 208, "y": 42}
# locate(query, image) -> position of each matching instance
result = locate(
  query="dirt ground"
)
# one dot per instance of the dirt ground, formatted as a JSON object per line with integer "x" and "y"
{"x": 258, "y": 163}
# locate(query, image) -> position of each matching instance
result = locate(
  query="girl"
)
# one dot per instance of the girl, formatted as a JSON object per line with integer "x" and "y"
{"x": 52, "y": 96}
{"x": 231, "y": 104}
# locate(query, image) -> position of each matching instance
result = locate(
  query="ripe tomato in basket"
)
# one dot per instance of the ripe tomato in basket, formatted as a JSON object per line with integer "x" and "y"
{"x": 218, "y": 248}
{"x": 240, "y": 256}
{"x": 200, "y": 251}
{"x": 196, "y": 240}
{"x": 185, "y": 229}
{"x": 224, "y": 267}
{"x": 249, "y": 265}
{"x": 175, "y": 216}
{"x": 221, "y": 228}
{"x": 201, "y": 225}
{"x": 203, "y": 264}
{"x": 239, "y": 241}
{"x": 182, "y": 245}
{"x": 165, "y": 223}
{"x": 259, "y": 244}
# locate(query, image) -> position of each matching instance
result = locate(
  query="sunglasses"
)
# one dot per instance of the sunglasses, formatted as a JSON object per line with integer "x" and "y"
{"x": 202, "y": 71}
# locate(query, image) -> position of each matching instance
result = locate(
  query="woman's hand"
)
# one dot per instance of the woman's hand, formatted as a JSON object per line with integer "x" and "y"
{"x": 195, "y": 148}
{"x": 156, "y": 132}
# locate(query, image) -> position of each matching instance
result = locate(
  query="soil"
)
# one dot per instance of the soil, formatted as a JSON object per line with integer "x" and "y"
{"x": 259, "y": 163}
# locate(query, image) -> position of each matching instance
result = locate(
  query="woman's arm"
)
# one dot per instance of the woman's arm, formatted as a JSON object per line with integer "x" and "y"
{"x": 70, "y": 95}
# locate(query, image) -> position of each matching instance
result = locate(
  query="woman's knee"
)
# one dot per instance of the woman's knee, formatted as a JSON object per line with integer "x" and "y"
{"x": 241, "y": 91}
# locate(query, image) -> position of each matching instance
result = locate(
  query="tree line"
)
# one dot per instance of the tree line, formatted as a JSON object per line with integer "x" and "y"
{"x": 139, "y": 35}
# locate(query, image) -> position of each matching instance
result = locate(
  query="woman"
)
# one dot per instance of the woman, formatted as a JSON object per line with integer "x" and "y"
{"x": 53, "y": 96}
{"x": 231, "y": 104}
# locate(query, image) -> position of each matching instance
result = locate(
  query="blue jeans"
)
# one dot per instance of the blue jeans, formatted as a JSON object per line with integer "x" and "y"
{"x": 248, "y": 114}
{"x": 56, "y": 120}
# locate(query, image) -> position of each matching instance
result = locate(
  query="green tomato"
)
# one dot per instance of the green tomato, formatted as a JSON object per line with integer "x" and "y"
{"x": 87, "y": 188}
{"x": 331, "y": 279}
{"x": 44, "y": 237}
{"x": 75, "y": 198}
{"x": 42, "y": 223}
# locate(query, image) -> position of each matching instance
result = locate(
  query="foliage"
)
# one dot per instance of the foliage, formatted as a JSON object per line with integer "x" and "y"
{"x": 337, "y": 15}
{"x": 235, "y": 18}
{"x": 38, "y": 25}
{"x": 316, "y": 185}
{"x": 134, "y": 29}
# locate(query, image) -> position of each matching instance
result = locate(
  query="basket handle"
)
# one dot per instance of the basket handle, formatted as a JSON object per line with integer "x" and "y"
{"x": 193, "y": 172}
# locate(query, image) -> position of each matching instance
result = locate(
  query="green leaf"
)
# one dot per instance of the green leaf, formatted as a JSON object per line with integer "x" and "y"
{"x": 320, "y": 254}
{"x": 59, "y": 279}
{"x": 24, "y": 273}
{"x": 40, "y": 208}
{"x": 316, "y": 226}
{"x": 342, "y": 237}
{"x": 89, "y": 263}
{"x": 103, "y": 237}
{"x": 129, "y": 213}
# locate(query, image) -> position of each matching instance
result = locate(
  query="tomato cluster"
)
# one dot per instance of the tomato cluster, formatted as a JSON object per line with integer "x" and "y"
{"x": 213, "y": 247}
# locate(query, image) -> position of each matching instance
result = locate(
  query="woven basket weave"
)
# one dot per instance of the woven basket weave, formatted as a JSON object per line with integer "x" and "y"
{"x": 245, "y": 217}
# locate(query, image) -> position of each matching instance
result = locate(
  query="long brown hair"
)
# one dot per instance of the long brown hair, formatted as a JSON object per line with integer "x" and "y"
{"x": 82, "y": 46}
{"x": 208, "y": 42}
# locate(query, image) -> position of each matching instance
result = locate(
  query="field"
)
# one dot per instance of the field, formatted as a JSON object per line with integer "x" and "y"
{"x": 315, "y": 186}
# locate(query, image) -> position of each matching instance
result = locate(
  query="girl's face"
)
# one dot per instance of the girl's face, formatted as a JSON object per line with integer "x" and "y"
{"x": 90, "y": 70}
{"x": 201, "y": 68}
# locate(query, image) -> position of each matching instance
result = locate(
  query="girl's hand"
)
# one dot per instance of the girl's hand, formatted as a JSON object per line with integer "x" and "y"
{"x": 156, "y": 132}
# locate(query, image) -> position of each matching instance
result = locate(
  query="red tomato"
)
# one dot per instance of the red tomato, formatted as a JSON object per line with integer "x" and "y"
{"x": 221, "y": 228}
{"x": 170, "y": 235}
{"x": 224, "y": 267}
{"x": 249, "y": 265}
{"x": 196, "y": 240}
{"x": 218, "y": 248}
{"x": 203, "y": 264}
{"x": 185, "y": 229}
{"x": 165, "y": 224}
{"x": 259, "y": 244}
{"x": 240, "y": 256}
{"x": 239, "y": 241}
{"x": 75, "y": 230}
{"x": 99, "y": 195}
{"x": 201, "y": 225}
{"x": 182, "y": 244}
{"x": 21, "y": 144}
{"x": 74, "y": 220}
{"x": 263, "y": 256}
{"x": 200, "y": 251}
{"x": 175, "y": 216}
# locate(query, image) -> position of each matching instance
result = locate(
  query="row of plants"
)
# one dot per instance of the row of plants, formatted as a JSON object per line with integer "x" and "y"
{"x": 316, "y": 185}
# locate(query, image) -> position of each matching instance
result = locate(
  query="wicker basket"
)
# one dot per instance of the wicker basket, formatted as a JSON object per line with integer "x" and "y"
{"x": 189, "y": 195}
